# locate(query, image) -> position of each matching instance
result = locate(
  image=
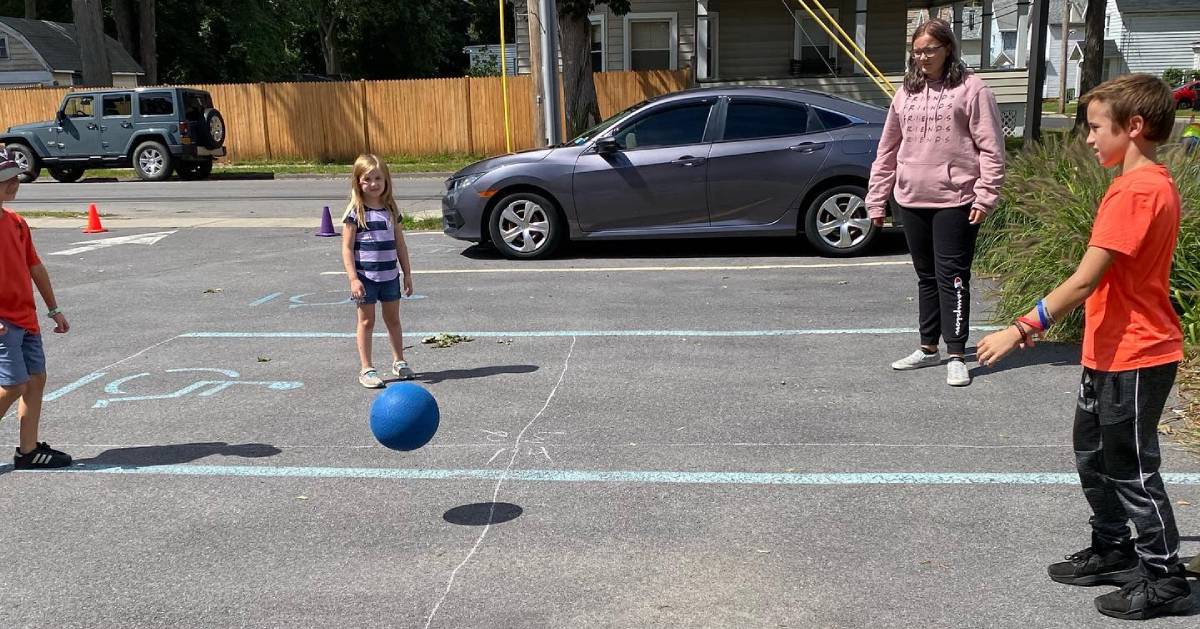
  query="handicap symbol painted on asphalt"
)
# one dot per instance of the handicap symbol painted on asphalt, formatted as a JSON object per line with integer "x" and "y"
{"x": 202, "y": 388}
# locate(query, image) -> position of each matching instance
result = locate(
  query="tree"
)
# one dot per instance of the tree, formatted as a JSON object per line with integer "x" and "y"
{"x": 148, "y": 27}
{"x": 575, "y": 36}
{"x": 123, "y": 16}
{"x": 1093, "y": 54}
{"x": 93, "y": 49}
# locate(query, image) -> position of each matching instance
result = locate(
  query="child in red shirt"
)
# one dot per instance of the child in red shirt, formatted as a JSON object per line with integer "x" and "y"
{"x": 22, "y": 362}
{"x": 1132, "y": 346}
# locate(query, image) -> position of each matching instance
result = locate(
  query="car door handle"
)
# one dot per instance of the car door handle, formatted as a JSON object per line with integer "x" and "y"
{"x": 807, "y": 147}
{"x": 127, "y": 125}
{"x": 92, "y": 125}
{"x": 688, "y": 160}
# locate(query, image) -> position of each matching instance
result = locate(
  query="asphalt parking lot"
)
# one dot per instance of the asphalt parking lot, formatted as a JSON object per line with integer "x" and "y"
{"x": 681, "y": 434}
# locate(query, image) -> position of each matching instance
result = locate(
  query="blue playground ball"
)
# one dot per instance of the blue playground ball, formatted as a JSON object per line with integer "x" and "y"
{"x": 404, "y": 416}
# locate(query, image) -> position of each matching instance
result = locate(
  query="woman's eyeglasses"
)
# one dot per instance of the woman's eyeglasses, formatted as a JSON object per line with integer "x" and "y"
{"x": 926, "y": 53}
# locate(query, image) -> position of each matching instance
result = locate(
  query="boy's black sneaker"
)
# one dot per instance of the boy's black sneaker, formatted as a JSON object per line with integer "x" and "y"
{"x": 1112, "y": 565}
{"x": 40, "y": 458}
{"x": 1147, "y": 598}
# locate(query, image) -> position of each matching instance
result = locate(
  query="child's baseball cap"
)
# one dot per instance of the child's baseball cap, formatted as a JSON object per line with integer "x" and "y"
{"x": 8, "y": 168}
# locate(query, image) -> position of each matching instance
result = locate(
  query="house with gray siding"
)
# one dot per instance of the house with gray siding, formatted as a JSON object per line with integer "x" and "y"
{"x": 43, "y": 53}
{"x": 776, "y": 42}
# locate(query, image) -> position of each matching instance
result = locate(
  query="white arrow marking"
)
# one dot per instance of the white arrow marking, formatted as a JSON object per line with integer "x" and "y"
{"x": 89, "y": 245}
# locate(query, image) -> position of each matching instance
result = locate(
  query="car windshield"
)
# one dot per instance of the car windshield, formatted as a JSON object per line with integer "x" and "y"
{"x": 591, "y": 133}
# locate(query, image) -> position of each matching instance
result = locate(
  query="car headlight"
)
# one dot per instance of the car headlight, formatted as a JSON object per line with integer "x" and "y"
{"x": 458, "y": 184}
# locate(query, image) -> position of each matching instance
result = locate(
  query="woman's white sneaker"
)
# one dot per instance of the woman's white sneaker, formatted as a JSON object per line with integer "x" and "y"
{"x": 918, "y": 359}
{"x": 957, "y": 374}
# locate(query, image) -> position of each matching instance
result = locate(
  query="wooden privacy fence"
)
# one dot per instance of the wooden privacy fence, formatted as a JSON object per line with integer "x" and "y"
{"x": 337, "y": 121}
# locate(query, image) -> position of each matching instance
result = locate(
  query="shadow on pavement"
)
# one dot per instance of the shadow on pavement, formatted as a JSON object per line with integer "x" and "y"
{"x": 175, "y": 454}
{"x": 482, "y": 513}
{"x": 890, "y": 243}
{"x": 1046, "y": 353}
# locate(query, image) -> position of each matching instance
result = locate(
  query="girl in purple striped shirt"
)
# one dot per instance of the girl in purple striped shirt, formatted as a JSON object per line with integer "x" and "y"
{"x": 375, "y": 257}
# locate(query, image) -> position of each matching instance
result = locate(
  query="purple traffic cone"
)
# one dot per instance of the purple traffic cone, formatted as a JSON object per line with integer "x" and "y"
{"x": 326, "y": 224}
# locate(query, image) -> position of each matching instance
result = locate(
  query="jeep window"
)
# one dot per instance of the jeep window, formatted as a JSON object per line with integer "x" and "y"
{"x": 156, "y": 104}
{"x": 117, "y": 105}
{"x": 79, "y": 107}
{"x": 194, "y": 104}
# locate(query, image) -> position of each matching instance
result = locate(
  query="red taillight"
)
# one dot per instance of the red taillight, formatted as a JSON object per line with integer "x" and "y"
{"x": 183, "y": 128}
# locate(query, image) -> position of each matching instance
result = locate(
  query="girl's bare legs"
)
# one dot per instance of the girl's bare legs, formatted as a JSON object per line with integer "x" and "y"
{"x": 391, "y": 318}
{"x": 366, "y": 327}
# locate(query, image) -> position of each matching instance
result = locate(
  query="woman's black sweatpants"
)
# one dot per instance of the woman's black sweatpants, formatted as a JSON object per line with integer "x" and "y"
{"x": 942, "y": 244}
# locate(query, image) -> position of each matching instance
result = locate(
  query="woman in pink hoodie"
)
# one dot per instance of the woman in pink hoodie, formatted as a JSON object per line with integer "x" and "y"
{"x": 941, "y": 157}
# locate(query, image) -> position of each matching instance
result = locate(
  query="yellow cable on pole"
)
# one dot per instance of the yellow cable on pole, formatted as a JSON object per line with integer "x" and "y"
{"x": 876, "y": 76}
{"x": 869, "y": 66}
{"x": 504, "y": 82}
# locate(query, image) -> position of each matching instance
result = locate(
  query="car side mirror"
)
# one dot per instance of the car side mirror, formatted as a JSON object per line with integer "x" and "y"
{"x": 608, "y": 145}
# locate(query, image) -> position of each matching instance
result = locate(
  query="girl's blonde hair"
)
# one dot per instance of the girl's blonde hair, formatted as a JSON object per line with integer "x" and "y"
{"x": 363, "y": 165}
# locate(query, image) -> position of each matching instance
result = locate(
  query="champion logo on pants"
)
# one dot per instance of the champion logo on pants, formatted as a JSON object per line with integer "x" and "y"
{"x": 958, "y": 305}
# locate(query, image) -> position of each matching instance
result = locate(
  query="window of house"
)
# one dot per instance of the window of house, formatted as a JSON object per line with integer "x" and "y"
{"x": 117, "y": 105}
{"x": 80, "y": 107}
{"x": 761, "y": 119}
{"x": 670, "y": 126}
{"x": 599, "y": 24}
{"x": 3, "y": 48}
{"x": 813, "y": 51}
{"x": 650, "y": 41}
{"x": 156, "y": 104}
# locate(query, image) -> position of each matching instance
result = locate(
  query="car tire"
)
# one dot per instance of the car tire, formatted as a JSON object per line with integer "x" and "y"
{"x": 24, "y": 156}
{"x": 525, "y": 226}
{"x": 192, "y": 171}
{"x": 1184, "y": 104}
{"x": 214, "y": 130}
{"x": 836, "y": 222}
{"x": 66, "y": 174}
{"x": 152, "y": 161}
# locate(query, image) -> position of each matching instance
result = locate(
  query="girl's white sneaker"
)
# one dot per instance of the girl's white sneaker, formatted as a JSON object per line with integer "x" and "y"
{"x": 918, "y": 359}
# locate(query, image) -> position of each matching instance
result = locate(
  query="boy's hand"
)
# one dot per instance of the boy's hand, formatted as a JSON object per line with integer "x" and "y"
{"x": 62, "y": 326}
{"x": 997, "y": 345}
{"x": 408, "y": 288}
{"x": 357, "y": 290}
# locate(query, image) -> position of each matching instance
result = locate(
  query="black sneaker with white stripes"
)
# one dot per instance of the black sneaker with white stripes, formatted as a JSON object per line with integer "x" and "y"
{"x": 40, "y": 458}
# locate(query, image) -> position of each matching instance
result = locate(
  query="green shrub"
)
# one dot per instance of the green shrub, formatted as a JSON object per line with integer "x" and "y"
{"x": 1038, "y": 235}
{"x": 1176, "y": 76}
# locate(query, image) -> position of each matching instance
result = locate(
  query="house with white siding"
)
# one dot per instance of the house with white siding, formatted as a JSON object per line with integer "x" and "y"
{"x": 776, "y": 42}
{"x": 1151, "y": 36}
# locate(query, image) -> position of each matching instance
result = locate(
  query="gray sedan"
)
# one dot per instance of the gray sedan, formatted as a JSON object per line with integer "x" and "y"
{"x": 732, "y": 161}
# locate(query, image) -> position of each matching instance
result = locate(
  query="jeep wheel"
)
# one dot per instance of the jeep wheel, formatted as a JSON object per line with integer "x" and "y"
{"x": 67, "y": 174}
{"x": 26, "y": 160}
{"x": 152, "y": 161}
{"x": 213, "y": 134}
{"x": 192, "y": 171}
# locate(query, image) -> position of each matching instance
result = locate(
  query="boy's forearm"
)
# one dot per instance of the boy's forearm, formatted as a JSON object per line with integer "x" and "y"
{"x": 41, "y": 279}
{"x": 1076, "y": 289}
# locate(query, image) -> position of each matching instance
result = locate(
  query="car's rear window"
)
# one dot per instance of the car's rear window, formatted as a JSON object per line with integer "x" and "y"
{"x": 194, "y": 104}
{"x": 156, "y": 104}
{"x": 832, "y": 120}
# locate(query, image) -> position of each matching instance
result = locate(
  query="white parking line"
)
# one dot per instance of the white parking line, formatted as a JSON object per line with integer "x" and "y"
{"x": 617, "y": 269}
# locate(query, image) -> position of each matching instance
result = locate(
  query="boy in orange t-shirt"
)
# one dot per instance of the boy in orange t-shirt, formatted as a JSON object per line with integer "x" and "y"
{"x": 1132, "y": 346}
{"x": 22, "y": 361}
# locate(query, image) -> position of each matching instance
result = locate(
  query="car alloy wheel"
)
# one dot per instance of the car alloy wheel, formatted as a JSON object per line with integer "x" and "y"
{"x": 842, "y": 221}
{"x": 524, "y": 226}
{"x": 151, "y": 162}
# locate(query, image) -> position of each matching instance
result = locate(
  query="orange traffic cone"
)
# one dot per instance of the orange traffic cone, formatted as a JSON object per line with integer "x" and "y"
{"x": 93, "y": 226}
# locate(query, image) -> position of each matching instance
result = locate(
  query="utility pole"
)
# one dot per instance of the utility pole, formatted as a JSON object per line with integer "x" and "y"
{"x": 1062, "y": 68}
{"x": 551, "y": 96}
{"x": 1037, "y": 69}
{"x": 533, "y": 19}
